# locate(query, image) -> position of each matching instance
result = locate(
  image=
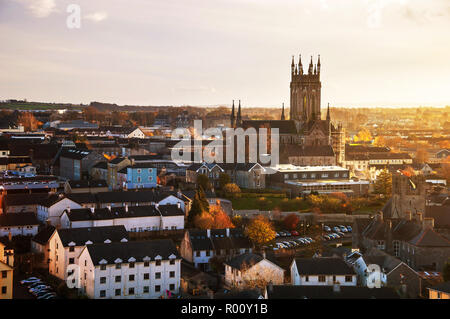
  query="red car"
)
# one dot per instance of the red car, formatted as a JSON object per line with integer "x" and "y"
{"x": 295, "y": 233}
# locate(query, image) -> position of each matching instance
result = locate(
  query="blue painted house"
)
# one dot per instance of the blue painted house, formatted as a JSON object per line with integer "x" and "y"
{"x": 142, "y": 175}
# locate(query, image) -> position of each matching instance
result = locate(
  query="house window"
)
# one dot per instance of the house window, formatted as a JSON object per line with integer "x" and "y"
{"x": 4, "y": 290}
{"x": 307, "y": 278}
{"x": 172, "y": 274}
{"x": 118, "y": 266}
{"x": 103, "y": 280}
{"x": 117, "y": 293}
{"x": 102, "y": 293}
{"x": 118, "y": 279}
{"x": 146, "y": 263}
{"x": 131, "y": 277}
{"x": 396, "y": 244}
{"x": 157, "y": 275}
{"x": 208, "y": 253}
{"x": 158, "y": 262}
{"x": 172, "y": 287}
{"x": 197, "y": 254}
{"x": 4, "y": 274}
{"x": 131, "y": 265}
{"x": 348, "y": 278}
{"x": 157, "y": 288}
{"x": 322, "y": 278}
{"x": 102, "y": 267}
{"x": 334, "y": 278}
{"x": 71, "y": 260}
{"x": 146, "y": 289}
{"x": 139, "y": 171}
{"x": 172, "y": 261}
{"x": 71, "y": 248}
{"x": 380, "y": 244}
{"x": 131, "y": 291}
{"x": 146, "y": 276}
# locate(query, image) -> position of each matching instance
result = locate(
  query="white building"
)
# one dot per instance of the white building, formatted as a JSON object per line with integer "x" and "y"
{"x": 65, "y": 245}
{"x": 52, "y": 208}
{"x": 129, "y": 270}
{"x": 248, "y": 270}
{"x": 134, "y": 218}
{"x": 18, "y": 224}
{"x": 322, "y": 271}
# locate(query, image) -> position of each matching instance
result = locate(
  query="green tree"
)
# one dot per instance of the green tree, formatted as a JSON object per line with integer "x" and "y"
{"x": 224, "y": 179}
{"x": 199, "y": 205}
{"x": 383, "y": 183}
{"x": 203, "y": 182}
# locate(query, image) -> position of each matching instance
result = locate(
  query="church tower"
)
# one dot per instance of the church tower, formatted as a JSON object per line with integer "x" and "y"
{"x": 232, "y": 119}
{"x": 305, "y": 92}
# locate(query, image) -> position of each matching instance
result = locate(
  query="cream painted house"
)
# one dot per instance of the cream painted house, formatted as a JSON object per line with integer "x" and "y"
{"x": 130, "y": 270}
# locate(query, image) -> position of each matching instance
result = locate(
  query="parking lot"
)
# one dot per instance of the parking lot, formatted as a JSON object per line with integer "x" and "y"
{"x": 39, "y": 289}
{"x": 294, "y": 240}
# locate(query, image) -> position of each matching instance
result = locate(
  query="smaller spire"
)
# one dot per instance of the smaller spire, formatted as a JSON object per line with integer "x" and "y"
{"x": 318, "y": 65}
{"x": 310, "y": 69}
{"x": 300, "y": 66}
{"x": 292, "y": 65}
{"x": 239, "y": 118}
{"x": 282, "y": 113}
{"x": 232, "y": 120}
{"x": 328, "y": 112}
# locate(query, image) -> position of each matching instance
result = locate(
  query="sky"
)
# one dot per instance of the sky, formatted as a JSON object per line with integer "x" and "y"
{"x": 209, "y": 52}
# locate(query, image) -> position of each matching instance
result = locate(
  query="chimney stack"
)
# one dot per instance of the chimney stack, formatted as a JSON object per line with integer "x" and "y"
{"x": 208, "y": 233}
{"x": 228, "y": 232}
{"x": 179, "y": 205}
{"x": 126, "y": 208}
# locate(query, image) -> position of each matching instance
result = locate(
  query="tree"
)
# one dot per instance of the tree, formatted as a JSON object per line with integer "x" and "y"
{"x": 260, "y": 230}
{"x": 203, "y": 181}
{"x": 383, "y": 183}
{"x": 28, "y": 121}
{"x": 199, "y": 205}
{"x": 291, "y": 221}
{"x": 231, "y": 190}
{"x": 224, "y": 179}
{"x": 215, "y": 218}
{"x": 363, "y": 136}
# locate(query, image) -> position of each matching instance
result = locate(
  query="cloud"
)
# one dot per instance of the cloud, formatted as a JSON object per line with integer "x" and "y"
{"x": 40, "y": 8}
{"x": 96, "y": 16}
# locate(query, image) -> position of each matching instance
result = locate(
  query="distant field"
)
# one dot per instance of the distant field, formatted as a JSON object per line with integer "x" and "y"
{"x": 29, "y": 106}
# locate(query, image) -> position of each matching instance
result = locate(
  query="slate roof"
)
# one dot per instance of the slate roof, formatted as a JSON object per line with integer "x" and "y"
{"x": 18, "y": 219}
{"x": 403, "y": 230}
{"x": 441, "y": 215}
{"x": 136, "y": 249}
{"x": 323, "y": 266}
{"x": 77, "y": 154}
{"x": 380, "y": 156}
{"x": 120, "y": 212}
{"x": 24, "y": 199}
{"x": 429, "y": 238}
{"x": 87, "y": 183}
{"x": 218, "y": 239}
{"x": 82, "y": 198}
{"x": 326, "y": 292}
{"x": 94, "y": 234}
{"x": 284, "y": 127}
{"x": 244, "y": 260}
{"x": 293, "y": 150}
{"x": 44, "y": 235}
{"x": 101, "y": 165}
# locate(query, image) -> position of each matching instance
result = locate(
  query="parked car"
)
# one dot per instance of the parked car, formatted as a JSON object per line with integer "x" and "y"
{"x": 294, "y": 243}
{"x": 49, "y": 295}
{"x": 295, "y": 233}
{"x": 326, "y": 237}
{"x": 309, "y": 239}
{"x": 341, "y": 234}
{"x": 277, "y": 234}
{"x": 336, "y": 229}
{"x": 35, "y": 284}
{"x": 287, "y": 233}
{"x": 326, "y": 228}
{"x": 282, "y": 233}
{"x": 349, "y": 228}
{"x": 343, "y": 228}
{"x": 37, "y": 288}
{"x": 29, "y": 280}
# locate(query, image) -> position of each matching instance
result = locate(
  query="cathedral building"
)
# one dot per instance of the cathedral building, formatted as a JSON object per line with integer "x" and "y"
{"x": 305, "y": 138}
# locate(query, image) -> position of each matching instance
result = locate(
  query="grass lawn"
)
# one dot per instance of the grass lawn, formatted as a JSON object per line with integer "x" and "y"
{"x": 252, "y": 203}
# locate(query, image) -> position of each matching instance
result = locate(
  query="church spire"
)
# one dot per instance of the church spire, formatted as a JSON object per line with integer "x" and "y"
{"x": 318, "y": 65}
{"x": 310, "y": 69}
{"x": 239, "y": 118}
{"x": 328, "y": 113}
{"x": 292, "y": 66}
{"x": 282, "y": 113}
{"x": 300, "y": 66}
{"x": 232, "y": 119}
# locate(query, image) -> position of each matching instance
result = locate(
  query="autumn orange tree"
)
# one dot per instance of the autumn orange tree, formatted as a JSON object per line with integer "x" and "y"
{"x": 214, "y": 218}
{"x": 291, "y": 221}
{"x": 29, "y": 122}
{"x": 260, "y": 230}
